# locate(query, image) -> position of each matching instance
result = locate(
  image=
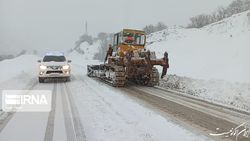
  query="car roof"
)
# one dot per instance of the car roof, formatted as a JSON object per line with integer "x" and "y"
{"x": 54, "y": 54}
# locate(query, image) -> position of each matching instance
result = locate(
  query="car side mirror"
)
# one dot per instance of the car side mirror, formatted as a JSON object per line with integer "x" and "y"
{"x": 69, "y": 61}
{"x": 39, "y": 61}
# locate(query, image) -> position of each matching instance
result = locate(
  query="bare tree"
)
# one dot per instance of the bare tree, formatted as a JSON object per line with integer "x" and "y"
{"x": 237, "y": 6}
{"x": 151, "y": 28}
{"x": 160, "y": 26}
{"x": 102, "y": 36}
{"x": 105, "y": 39}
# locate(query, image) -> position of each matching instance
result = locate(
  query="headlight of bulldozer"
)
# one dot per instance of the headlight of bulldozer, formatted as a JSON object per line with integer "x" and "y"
{"x": 65, "y": 67}
{"x": 42, "y": 67}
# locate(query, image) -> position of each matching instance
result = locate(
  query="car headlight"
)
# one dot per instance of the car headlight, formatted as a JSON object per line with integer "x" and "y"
{"x": 42, "y": 67}
{"x": 65, "y": 67}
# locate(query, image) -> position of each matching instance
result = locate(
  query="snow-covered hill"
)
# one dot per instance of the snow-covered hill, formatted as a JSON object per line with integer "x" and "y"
{"x": 211, "y": 63}
{"x": 217, "y": 51}
{"x": 86, "y": 50}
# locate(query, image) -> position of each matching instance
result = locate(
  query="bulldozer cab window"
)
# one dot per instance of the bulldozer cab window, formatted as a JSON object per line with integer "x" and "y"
{"x": 115, "y": 41}
{"x": 139, "y": 39}
{"x": 119, "y": 38}
{"x": 133, "y": 39}
{"x": 128, "y": 38}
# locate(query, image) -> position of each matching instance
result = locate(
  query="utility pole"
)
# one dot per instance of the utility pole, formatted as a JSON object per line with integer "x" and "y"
{"x": 86, "y": 28}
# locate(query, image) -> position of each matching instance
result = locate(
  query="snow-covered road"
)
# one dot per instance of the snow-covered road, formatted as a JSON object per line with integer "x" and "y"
{"x": 88, "y": 109}
{"x": 111, "y": 114}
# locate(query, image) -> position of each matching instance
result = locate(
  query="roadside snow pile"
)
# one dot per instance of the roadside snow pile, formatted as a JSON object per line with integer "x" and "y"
{"x": 234, "y": 95}
{"x": 218, "y": 54}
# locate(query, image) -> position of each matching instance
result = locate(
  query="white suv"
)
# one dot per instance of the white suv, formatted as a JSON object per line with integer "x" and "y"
{"x": 54, "y": 65}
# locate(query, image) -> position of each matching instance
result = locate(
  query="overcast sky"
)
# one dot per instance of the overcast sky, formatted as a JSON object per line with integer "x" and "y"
{"x": 57, "y": 24}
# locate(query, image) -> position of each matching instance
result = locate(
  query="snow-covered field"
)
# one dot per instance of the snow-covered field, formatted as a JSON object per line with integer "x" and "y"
{"x": 211, "y": 63}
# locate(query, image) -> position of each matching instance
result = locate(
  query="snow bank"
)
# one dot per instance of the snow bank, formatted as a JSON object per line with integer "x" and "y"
{"x": 234, "y": 95}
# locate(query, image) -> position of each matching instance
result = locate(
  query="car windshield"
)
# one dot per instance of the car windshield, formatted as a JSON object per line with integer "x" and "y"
{"x": 54, "y": 59}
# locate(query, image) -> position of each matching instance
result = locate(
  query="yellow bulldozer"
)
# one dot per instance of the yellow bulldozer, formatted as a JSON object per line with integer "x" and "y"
{"x": 128, "y": 60}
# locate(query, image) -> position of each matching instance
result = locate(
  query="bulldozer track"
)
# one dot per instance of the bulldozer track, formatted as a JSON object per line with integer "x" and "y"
{"x": 76, "y": 121}
{"x": 114, "y": 76}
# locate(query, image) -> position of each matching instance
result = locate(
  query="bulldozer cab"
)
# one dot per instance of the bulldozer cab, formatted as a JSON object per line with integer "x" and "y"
{"x": 128, "y": 40}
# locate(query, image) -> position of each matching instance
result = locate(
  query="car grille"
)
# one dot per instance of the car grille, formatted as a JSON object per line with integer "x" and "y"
{"x": 49, "y": 72}
{"x": 54, "y": 67}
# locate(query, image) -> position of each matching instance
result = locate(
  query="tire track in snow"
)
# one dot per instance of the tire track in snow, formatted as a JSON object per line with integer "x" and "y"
{"x": 51, "y": 118}
{"x": 103, "y": 99}
{"x": 77, "y": 124}
{"x": 70, "y": 134}
{"x": 90, "y": 83}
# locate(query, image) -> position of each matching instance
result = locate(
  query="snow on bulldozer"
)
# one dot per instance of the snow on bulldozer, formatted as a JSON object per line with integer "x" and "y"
{"x": 128, "y": 60}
